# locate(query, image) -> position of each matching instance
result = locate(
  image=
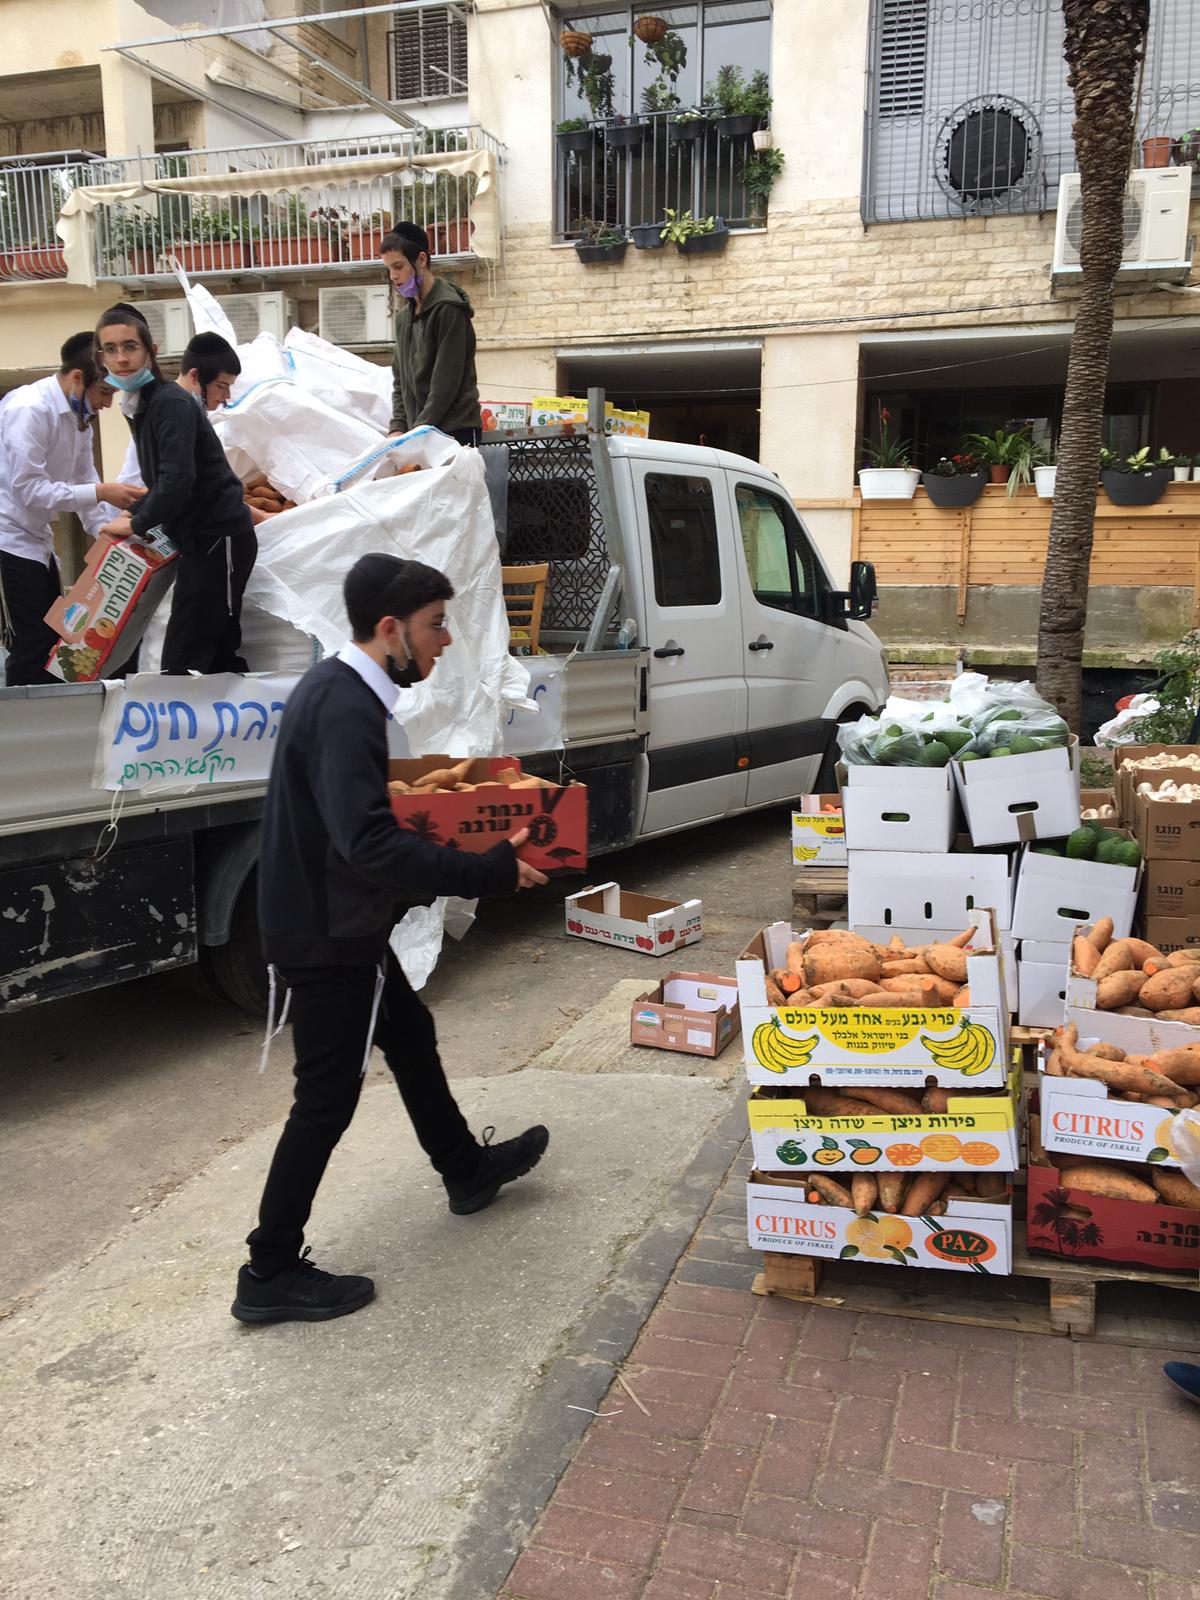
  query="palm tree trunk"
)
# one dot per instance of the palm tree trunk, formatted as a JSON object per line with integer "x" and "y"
{"x": 1104, "y": 41}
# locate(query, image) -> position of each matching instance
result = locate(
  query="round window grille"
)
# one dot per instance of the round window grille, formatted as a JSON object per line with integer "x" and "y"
{"x": 989, "y": 153}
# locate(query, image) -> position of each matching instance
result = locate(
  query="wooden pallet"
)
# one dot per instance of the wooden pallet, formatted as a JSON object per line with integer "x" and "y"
{"x": 819, "y": 896}
{"x": 1152, "y": 1309}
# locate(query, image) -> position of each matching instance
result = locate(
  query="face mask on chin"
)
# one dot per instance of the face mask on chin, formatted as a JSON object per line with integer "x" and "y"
{"x": 412, "y": 289}
{"x": 408, "y": 675}
{"x": 131, "y": 383}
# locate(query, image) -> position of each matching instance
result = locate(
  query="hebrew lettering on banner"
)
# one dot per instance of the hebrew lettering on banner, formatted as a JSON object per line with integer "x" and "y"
{"x": 182, "y": 733}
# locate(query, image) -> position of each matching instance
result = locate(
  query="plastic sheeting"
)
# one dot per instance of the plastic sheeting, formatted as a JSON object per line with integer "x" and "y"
{"x": 299, "y": 441}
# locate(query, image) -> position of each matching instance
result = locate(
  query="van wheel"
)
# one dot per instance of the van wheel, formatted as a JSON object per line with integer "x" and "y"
{"x": 827, "y": 781}
{"x": 237, "y": 970}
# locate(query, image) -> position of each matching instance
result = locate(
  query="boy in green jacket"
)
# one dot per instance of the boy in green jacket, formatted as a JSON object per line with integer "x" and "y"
{"x": 434, "y": 364}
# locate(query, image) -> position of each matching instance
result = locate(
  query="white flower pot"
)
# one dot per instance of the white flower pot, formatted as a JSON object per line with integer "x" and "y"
{"x": 888, "y": 483}
{"x": 763, "y": 138}
{"x": 1182, "y": 474}
{"x": 1043, "y": 481}
{"x": 1196, "y": 473}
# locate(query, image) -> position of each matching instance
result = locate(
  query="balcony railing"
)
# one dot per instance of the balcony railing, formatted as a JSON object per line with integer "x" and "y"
{"x": 627, "y": 175}
{"x": 330, "y": 222}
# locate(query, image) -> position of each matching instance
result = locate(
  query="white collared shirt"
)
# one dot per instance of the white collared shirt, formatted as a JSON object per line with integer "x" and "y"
{"x": 46, "y": 469}
{"x": 372, "y": 674}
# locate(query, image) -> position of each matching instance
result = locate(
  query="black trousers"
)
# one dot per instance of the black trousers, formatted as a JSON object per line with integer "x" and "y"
{"x": 30, "y": 589}
{"x": 469, "y": 436}
{"x": 204, "y": 633}
{"x": 330, "y": 1014}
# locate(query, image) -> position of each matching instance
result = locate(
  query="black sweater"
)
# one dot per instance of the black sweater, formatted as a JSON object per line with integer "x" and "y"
{"x": 334, "y": 861}
{"x": 194, "y": 494}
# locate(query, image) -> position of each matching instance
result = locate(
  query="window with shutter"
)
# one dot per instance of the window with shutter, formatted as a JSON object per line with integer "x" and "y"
{"x": 429, "y": 55}
{"x": 902, "y": 56}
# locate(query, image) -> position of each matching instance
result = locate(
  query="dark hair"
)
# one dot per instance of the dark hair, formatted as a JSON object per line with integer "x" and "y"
{"x": 385, "y": 586}
{"x": 210, "y": 355}
{"x": 78, "y": 354}
{"x": 407, "y": 240}
{"x": 126, "y": 315}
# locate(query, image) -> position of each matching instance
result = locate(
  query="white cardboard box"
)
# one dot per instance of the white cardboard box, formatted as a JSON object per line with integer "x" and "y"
{"x": 1019, "y": 798}
{"x": 899, "y": 808}
{"x": 1142, "y": 1036}
{"x": 818, "y": 836}
{"x": 884, "y": 1046}
{"x": 1054, "y": 895}
{"x": 1042, "y": 984}
{"x": 910, "y": 890}
{"x": 611, "y": 915}
{"x": 973, "y": 1236}
{"x": 1080, "y": 1117}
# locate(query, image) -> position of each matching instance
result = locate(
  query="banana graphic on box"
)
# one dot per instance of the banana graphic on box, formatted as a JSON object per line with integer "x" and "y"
{"x": 779, "y": 1051}
{"x": 969, "y": 1051}
{"x": 805, "y": 852}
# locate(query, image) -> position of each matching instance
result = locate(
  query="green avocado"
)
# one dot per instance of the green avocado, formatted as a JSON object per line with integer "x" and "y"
{"x": 1007, "y": 716}
{"x": 1046, "y": 850}
{"x": 1000, "y": 750}
{"x": 1022, "y": 745}
{"x": 934, "y": 754}
{"x": 954, "y": 738}
{"x": 1081, "y": 844}
{"x": 1106, "y": 851}
{"x": 970, "y": 755}
{"x": 1128, "y": 853}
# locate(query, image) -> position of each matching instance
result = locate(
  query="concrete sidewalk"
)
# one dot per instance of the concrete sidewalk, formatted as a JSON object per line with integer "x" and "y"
{"x": 804, "y": 1453}
{"x": 155, "y": 1449}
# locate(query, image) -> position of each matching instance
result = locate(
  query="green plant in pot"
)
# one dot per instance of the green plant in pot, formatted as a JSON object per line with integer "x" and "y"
{"x": 1134, "y": 480}
{"x": 692, "y": 124}
{"x": 758, "y": 178}
{"x": 600, "y": 243}
{"x": 888, "y": 473}
{"x": 669, "y": 54}
{"x": 574, "y": 135}
{"x": 136, "y": 235}
{"x": 742, "y": 104}
{"x": 999, "y": 451}
{"x": 954, "y": 481}
{"x": 593, "y": 75}
{"x": 694, "y": 236}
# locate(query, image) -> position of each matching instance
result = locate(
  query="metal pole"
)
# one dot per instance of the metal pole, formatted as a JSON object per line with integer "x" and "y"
{"x": 234, "y": 28}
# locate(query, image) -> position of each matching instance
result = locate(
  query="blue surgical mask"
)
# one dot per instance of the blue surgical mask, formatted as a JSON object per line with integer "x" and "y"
{"x": 80, "y": 407}
{"x": 412, "y": 289}
{"x": 132, "y": 383}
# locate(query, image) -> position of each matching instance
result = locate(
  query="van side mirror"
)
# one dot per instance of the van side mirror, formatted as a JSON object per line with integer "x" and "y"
{"x": 864, "y": 591}
{"x": 861, "y": 601}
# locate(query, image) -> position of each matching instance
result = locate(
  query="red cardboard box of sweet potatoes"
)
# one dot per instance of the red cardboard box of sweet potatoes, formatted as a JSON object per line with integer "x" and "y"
{"x": 473, "y": 803}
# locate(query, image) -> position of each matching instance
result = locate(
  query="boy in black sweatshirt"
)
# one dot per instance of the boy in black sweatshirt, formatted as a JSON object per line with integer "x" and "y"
{"x": 334, "y": 864}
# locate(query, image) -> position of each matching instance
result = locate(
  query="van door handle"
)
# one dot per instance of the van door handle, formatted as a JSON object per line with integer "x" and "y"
{"x": 669, "y": 650}
{"x": 761, "y": 644}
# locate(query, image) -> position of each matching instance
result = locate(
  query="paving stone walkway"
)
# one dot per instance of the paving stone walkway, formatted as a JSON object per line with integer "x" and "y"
{"x": 798, "y": 1451}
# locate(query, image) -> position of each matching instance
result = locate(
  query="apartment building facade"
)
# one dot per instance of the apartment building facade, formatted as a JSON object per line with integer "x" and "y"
{"x": 902, "y": 258}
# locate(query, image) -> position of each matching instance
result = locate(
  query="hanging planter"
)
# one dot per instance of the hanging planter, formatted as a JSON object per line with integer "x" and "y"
{"x": 650, "y": 29}
{"x": 710, "y": 243}
{"x": 576, "y": 141}
{"x": 739, "y": 126}
{"x": 888, "y": 483}
{"x": 648, "y": 236}
{"x": 763, "y": 138}
{"x": 1044, "y": 480}
{"x": 574, "y": 43}
{"x": 1136, "y": 488}
{"x": 689, "y": 129}
{"x": 625, "y": 135}
{"x": 962, "y": 489}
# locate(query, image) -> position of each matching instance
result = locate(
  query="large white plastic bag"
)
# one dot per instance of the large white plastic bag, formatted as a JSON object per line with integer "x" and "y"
{"x": 441, "y": 516}
{"x": 1185, "y": 1136}
{"x": 299, "y": 442}
{"x": 1126, "y": 726}
{"x": 339, "y": 377}
{"x": 262, "y": 359}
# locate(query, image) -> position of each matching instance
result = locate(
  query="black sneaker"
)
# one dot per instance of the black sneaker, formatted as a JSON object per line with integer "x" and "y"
{"x": 498, "y": 1164}
{"x": 300, "y": 1293}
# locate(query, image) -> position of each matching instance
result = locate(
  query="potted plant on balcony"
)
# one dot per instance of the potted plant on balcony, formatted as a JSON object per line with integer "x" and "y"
{"x": 134, "y": 235}
{"x": 691, "y": 124}
{"x": 1156, "y": 151}
{"x": 362, "y": 236}
{"x": 575, "y": 138}
{"x": 302, "y": 236}
{"x": 665, "y": 49}
{"x": 1133, "y": 480}
{"x": 758, "y": 179}
{"x": 954, "y": 481}
{"x": 695, "y": 236}
{"x": 1186, "y": 150}
{"x": 648, "y": 235}
{"x": 594, "y": 77}
{"x": 1045, "y": 475}
{"x": 217, "y": 241}
{"x": 743, "y": 105}
{"x": 600, "y": 243}
{"x": 1181, "y": 466}
{"x": 650, "y": 29}
{"x": 996, "y": 451}
{"x": 888, "y": 475}
{"x": 574, "y": 43}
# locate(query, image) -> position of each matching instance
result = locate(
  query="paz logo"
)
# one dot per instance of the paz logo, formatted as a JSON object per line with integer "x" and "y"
{"x": 962, "y": 1246}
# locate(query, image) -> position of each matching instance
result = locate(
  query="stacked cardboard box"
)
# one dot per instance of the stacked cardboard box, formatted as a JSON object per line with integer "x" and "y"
{"x": 791, "y": 1052}
{"x": 1169, "y": 834}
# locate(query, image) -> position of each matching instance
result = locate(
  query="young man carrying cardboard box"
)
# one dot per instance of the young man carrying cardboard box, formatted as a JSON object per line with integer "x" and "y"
{"x": 334, "y": 863}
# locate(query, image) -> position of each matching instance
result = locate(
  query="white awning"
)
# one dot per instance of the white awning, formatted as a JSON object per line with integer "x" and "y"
{"x": 76, "y": 225}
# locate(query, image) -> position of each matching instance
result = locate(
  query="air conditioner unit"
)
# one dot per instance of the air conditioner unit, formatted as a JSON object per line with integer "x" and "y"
{"x": 356, "y": 315}
{"x": 1156, "y": 224}
{"x": 170, "y": 324}
{"x": 252, "y": 314}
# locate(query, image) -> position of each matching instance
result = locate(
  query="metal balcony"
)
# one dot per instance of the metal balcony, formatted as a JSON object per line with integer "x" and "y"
{"x": 329, "y": 223}
{"x": 627, "y": 174}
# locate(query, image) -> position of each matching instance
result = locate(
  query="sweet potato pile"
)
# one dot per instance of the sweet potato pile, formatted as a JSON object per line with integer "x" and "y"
{"x": 1134, "y": 978}
{"x": 832, "y": 967}
{"x": 1168, "y": 1078}
{"x": 263, "y": 496}
{"x": 1140, "y": 1181}
{"x": 917, "y": 1194}
{"x": 453, "y": 780}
